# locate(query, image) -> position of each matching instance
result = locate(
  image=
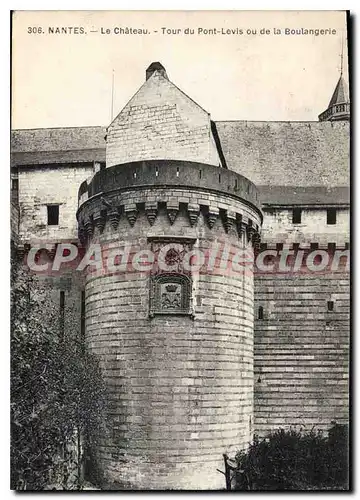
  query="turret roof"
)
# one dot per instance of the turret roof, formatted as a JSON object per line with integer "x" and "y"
{"x": 340, "y": 94}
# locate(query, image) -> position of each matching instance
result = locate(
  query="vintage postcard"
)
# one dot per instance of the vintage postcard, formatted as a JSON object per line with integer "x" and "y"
{"x": 180, "y": 241}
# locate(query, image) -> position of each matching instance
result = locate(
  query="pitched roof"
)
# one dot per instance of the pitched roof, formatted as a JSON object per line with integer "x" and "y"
{"x": 288, "y": 153}
{"x": 340, "y": 94}
{"x": 284, "y": 159}
{"x": 57, "y": 145}
{"x": 57, "y": 139}
{"x": 70, "y": 157}
{"x": 311, "y": 195}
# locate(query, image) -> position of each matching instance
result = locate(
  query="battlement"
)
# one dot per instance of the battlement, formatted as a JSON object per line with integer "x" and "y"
{"x": 171, "y": 173}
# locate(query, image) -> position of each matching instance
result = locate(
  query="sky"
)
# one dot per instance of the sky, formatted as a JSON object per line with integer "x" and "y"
{"x": 65, "y": 80}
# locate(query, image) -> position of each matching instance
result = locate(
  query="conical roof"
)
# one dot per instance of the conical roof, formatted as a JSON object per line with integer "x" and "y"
{"x": 339, "y": 105}
{"x": 340, "y": 94}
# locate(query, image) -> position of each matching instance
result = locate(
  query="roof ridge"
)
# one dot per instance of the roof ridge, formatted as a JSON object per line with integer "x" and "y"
{"x": 58, "y": 128}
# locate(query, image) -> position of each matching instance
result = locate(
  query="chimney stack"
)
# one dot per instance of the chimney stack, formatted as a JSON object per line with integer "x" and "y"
{"x": 156, "y": 66}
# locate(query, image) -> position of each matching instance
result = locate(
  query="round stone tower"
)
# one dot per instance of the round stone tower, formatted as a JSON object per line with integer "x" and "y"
{"x": 169, "y": 300}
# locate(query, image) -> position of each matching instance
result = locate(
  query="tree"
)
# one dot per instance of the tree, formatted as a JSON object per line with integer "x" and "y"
{"x": 57, "y": 394}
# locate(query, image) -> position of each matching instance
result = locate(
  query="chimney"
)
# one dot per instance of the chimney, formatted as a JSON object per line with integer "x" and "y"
{"x": 156, "y": 66}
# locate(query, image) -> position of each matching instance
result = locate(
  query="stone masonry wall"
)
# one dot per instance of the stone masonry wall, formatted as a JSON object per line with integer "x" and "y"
{"x": 45, "y": 289}
{"x": 279, "y": 228}
{"x": 181, "y": 388}
{"x": 72, "y": 285}
{"x": 301, "y": 349}
{"x": 43, "y": 186}
{"x": 161, "y": 122}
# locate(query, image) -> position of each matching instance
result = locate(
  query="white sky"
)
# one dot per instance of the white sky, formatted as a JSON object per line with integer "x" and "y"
{"x": 65, "y": 80}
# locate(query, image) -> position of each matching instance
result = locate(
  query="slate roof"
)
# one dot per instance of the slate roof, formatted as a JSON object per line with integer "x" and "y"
{"x": 295, "y": 195}
{"x": 340, "y": 94}
{"x": 279, "y": 157}
{"x": 288, "y": 153}
{"x": 57, "y": 145}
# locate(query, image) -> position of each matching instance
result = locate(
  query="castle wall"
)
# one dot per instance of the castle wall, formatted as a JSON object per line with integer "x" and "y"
{"x": 61, "y": 315}
{"x": 279, "y": 228}
{"x": 180, "y": 387}
{"x": 42, "y": 186}
{"x": 65, "y": 320}
{"x": 298, "y": 385}
{"x": 301, "y": 349}
{"x": 161, "y": 122}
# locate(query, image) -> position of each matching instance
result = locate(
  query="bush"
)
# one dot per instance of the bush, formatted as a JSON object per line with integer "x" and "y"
{"x": 295, "y": 460}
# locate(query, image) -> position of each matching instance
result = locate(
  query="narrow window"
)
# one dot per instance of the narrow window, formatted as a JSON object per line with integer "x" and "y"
{"x": 15, "y": 190}
{"x": 314, "y": 246}
{"x": 62, "y": 313}
{"x": 52, "y": 215}
{"x": 331, "y": 216}
{"x": 82, "y": 319}
{"x": 261, "y": 312}
{"x": 279, "y": 247}
{"x": 330, "y": 305}
{"x": 296, "y": 216}
{"x": 331, "y": 247}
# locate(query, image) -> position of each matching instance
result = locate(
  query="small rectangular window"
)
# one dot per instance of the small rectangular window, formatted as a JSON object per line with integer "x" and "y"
{"x": 296, "y": 216}
{"x": 15, "y": 184}
{"x": 332, "y": 247}
{"x": 314, "y": 246}
{"x": 330, "y": 305}
{"x": 52, "y": 215}
{"x": 261, "y": 312}
{"x": 331, "y": 216}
